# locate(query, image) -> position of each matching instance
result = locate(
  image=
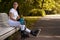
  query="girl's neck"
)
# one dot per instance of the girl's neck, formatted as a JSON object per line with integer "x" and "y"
{"x": 15, "y": 8}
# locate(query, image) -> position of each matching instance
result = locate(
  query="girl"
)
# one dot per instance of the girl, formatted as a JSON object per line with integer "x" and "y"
{"x": 13, "y": 17}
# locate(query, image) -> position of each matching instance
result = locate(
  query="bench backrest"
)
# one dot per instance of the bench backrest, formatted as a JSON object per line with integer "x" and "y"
{"x": 4, "y": 19}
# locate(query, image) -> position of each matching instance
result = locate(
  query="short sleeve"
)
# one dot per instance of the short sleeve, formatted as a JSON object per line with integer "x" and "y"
{"x": 11, "y": 10}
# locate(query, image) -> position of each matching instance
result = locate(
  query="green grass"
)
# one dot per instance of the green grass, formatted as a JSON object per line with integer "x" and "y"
{"x": 30, "y": 22}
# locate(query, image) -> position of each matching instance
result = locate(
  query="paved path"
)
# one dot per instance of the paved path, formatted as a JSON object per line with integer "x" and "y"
{"x": 50, "y": 26}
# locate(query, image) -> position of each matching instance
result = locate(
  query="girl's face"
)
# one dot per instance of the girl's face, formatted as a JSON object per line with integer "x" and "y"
{"x": 15, "y": 5}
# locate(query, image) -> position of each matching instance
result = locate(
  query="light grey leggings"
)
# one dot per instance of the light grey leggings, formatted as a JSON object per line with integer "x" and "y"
{"x": 17, "y": 24}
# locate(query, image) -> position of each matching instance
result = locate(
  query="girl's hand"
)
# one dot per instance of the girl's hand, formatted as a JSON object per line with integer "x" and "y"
{"x": 11, "y": 16}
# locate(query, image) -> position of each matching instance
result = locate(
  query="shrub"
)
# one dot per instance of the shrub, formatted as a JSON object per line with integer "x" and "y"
{"x": 37, "y": 12}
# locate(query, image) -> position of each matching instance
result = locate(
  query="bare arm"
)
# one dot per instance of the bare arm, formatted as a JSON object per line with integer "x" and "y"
{"x": 18, "y": 17}
{"x": 11, "y": 16}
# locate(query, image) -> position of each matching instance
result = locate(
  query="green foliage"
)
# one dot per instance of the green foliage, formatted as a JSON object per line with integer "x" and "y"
{"x": 0, "y": 0}
{"x": 37, "y": 4}
{"x": 48, "y": 4}
{"x": 57, "y": 6}
{"x": 5, "y": 5}
{"x": 25, "y": 6}
{"x": 37, "y": 12}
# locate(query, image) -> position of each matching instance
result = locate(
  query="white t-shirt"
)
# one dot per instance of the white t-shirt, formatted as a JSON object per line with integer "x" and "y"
{"x": 14, "y": 12}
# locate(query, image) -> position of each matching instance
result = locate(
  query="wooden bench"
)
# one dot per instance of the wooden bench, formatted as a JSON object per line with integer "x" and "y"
{"x": 5, "y": 29}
